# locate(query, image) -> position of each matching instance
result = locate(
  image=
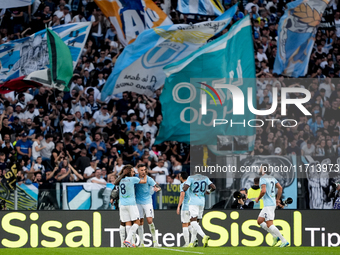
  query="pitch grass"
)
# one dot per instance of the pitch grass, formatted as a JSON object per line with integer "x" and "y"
{"x": 178, "y": 250}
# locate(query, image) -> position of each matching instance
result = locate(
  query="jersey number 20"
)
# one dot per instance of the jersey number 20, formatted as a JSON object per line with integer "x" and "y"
{"x": 199, "y": 187}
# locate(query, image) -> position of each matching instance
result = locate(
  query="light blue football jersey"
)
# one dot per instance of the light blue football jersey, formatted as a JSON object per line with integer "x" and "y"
{"x": 198, "y": 185}
{"x": 269, "y": 199}
{"x": 127, "y": 191}
{"x": 143, "y": 194}
{"x": 185, "y": 204}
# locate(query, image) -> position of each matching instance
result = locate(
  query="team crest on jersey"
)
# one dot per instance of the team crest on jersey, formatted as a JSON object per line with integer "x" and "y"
{"x": 163, "y": 54}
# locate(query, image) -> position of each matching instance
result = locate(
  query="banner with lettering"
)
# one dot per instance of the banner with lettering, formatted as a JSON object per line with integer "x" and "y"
{"x": 130, "y": 18}
{"x": 140, "y": 66}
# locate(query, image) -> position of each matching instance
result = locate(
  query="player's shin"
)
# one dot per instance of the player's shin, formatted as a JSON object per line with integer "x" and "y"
{"x": 122, "y": 234}
{"x": 153, "y": 231}
{"x": 141, "y": 234}
{"x": 186, "y": 235}
{"x": 128, "y": 229}
{"x": 274, "y": 230}
{"x": 197, "y": 228}
{"x": 132, "y": 232}
{"x": 264, "y": 226}
{"x": 193, "y": 234}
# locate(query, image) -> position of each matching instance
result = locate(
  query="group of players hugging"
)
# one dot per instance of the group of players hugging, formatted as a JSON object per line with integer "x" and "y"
{"x": 134, "y": 189}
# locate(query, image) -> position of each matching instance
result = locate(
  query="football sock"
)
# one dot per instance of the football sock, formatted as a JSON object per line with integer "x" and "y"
{"x": 122, "y": 233}
{"x": 127, "y": 229}
{"x": 141, "y": 234}
{"x": 264, "y": 226}
{"x": 274, "y": 231}
{"x": 153, "y": 231}
{"x": 197, "y": 228}
{"x": 186, "y": 235}
{"x": 193, "y": 234}
{"x": 133, "y": 241}
{"x": 132, "y": 232}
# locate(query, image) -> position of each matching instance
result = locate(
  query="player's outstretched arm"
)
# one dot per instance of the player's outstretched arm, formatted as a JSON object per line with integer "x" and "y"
{"x": 279, "y": 192}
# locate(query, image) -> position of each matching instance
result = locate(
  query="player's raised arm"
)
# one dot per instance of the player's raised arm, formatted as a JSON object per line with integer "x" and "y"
{"x": 279, "y": 192}
{"x": 125, "y": 171}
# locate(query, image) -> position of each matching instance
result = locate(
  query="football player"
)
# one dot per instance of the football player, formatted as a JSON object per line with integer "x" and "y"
{"x": 144, "y": 204}
{"x": 266, "y": 217}
{"x": 184, "y": 211}
{"x": 197, "y": 186}
{"x": 128, "y": 210}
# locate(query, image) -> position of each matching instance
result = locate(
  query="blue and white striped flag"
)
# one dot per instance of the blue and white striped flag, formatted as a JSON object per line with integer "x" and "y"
{"x": 27, "y": 55}
{"x": 200, "y": 7}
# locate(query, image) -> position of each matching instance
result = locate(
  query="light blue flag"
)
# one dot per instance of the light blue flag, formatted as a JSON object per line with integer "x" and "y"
{"x": 15, "y": 3}
{"x": 140, "y": 67}
{"x": 190, "y": 80}
{"x": 200, "y": 7}
{"x": 27, "y": 55}
{"x": 297, "y": 30}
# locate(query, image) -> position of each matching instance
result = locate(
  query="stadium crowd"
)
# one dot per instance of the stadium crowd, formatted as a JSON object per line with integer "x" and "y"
{"x": 64, "y": 137}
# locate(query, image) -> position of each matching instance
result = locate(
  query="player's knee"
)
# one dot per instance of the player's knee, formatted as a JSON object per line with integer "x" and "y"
{"x": 193, "y": 219}
{"x": 141, "y": 222}
{"x": 149, "y": 220}
{"x": 259, "y": 221}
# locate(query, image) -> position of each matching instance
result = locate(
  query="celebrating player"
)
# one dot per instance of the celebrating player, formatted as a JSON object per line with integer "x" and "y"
{"x": 184, "y": 211}
{"x": 267, "y": 214}
{"x": 128, "y": 210}
{"x": 197, "y": 185}
{"x": 144, "y": 204}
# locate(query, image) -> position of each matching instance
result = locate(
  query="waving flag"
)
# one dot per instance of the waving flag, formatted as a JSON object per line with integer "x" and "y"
{"x": 24, "y": 56}
{"x": 200, "y": 7}
{"x": 297, "y": 30}
{"x": 223, "y": 61}
{"x": 15, "y": 3}
{"x": 61, "y": 65}
{"x": 139, "y": 67}
{"x": 131, "y": 17}
{"x": 18, "y": 85}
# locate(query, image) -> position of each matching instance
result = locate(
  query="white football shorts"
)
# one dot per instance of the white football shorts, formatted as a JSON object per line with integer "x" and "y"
{"x": 196, "y": 211}
{"x": 185, "y": 216}
{"x": 146, "y": 210}
{"x": 268, "y": 213}
{"x": 128, "y": 213}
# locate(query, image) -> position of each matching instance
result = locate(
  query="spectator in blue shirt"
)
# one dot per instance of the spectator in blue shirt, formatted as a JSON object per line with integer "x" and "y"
{"x": 99, "y": 144}
{"x": 24, "y": 147}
